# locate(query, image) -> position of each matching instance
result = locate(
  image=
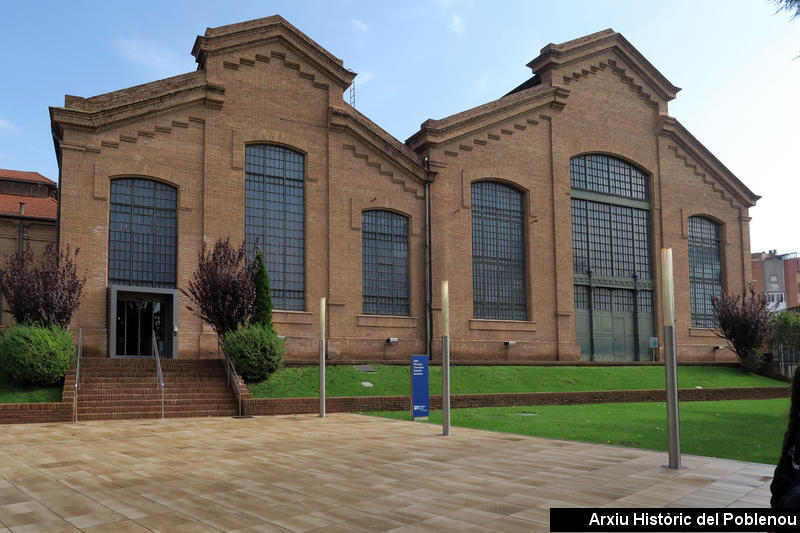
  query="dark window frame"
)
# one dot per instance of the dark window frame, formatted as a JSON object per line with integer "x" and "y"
{"x": 384, "y": 263}
{"x": 608, "y": 174}
{"x": 275, "y": 222}
{"x": 706, "y": 268}
{"x": 143, "y": 258}
{"x": 499, "y": 251}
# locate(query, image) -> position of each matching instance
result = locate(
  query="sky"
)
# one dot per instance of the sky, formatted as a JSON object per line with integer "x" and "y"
{"x": 735, "y": 60}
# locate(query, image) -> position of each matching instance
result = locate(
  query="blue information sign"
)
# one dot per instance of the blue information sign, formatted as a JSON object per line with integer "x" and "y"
{"x": 419, "y": 386}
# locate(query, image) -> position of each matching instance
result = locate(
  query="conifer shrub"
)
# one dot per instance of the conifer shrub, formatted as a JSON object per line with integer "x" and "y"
{"x": 262, "y": 305}
{"x": 36, "y": 355}
{"x": 256, "y": 351}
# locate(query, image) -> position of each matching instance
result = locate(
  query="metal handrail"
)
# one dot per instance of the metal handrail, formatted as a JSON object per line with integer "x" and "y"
{"x": 159, "y": 376}
{"x": 77, "y": 375}
{"x": 230, "y": 372}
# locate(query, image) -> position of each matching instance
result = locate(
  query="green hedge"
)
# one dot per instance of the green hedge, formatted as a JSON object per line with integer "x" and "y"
{"x": 255, "y": 350}
{"x": 35, "y": 355}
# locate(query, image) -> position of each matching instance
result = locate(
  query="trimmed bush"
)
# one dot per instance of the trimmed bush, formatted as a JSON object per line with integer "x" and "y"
{"x": 35, "y": 355}
{"x": 255, "y": 350}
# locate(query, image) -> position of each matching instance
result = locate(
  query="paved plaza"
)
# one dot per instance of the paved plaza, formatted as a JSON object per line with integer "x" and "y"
{"x": 346, "y": 473}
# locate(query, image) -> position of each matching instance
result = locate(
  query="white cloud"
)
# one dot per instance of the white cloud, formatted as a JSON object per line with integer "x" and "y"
{"x": 364, "y": 77}
{"x": 6, "y": 125}
{"x": 361, "y": 26}
{"x": 456, "y": 24}
{"x": 158, "y": 61}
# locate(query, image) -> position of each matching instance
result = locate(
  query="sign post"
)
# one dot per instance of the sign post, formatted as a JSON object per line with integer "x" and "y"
{"x": 670, "y": 365}
{"x": 420, "y": 396}
{"x": 322, "y": 358}
{"x": 654, "y": 347}
{"x": 445, "y": 359}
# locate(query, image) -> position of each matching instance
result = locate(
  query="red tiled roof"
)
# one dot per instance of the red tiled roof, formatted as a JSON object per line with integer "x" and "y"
{"x": 25, "y": 176}
{"x": 34, "y": 207}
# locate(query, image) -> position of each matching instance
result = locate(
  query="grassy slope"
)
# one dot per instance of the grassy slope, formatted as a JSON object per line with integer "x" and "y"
{"x": 747, "y": 430}
{"x": 13, "y": 394}
{"x": 390, "y": 380}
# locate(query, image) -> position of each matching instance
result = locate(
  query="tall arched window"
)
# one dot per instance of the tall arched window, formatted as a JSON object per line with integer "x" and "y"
{"x": 612, "y": 269}
{"x": 143, "y": 233}
{"x": 384, "y": 263}
{"x": 705, "y": 269}
{"x": 498, "y": 252}
{"x": 275, "y": 219}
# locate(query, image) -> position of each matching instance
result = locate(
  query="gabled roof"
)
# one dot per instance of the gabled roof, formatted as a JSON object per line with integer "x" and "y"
{"x": 35, "y": 207}
{"x": 554, "y": 56}
{"x": 22, "y": 175}
{"x": 254, "y": 32}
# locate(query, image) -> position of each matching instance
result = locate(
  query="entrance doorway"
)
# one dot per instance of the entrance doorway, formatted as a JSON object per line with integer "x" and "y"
{"x": 137, "y": 319}
{"x": 136, "y": 315}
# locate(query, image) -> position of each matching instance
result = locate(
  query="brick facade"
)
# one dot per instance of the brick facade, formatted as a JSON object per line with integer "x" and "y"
{"x": 264, "y": 81}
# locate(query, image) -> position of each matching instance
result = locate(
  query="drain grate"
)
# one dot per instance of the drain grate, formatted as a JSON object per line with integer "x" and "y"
{"x": 364, "y": 368}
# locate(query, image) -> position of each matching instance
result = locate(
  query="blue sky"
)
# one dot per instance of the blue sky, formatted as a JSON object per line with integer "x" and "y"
{"x": 734, "y": 60}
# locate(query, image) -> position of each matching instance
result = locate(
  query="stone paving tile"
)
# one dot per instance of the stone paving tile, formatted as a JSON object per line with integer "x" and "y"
{"x": 348, "y": 473}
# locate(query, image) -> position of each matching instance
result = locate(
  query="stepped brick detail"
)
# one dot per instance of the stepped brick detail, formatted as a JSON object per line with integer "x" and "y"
{"x": 126, "y": 389}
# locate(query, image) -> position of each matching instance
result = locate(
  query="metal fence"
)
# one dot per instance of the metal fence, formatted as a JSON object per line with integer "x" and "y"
{"x": 786, "y": 355}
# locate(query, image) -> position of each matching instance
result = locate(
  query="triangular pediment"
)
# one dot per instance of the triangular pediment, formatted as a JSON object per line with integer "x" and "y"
{"x": 255, "y": 33}
{"x": 557, "y": 62}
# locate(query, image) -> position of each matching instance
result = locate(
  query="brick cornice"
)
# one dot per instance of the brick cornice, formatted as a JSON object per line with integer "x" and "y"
{"x": 555, "y": 57}
{"x": 114, "y": 109}
{"x": 348, "y": 118}
{"x": 466, "y": 123}
{"x": 255, "y": 33}
{"x": 687, "y": 142}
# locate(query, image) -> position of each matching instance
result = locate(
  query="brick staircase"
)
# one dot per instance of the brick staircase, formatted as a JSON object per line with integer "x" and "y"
{"x": 126, "y": 388}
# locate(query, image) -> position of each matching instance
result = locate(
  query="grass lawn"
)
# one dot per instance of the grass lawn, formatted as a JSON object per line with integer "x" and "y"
{"x": 12, "y": 394}
{"x": 748, "y": 430}
{"x": 392, "y": 380}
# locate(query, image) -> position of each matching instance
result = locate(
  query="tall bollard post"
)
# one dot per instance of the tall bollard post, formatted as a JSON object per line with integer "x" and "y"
{"x": 322, "y": 358}
{"x": 670, "y": 364}
{"x": 445, "y": 360}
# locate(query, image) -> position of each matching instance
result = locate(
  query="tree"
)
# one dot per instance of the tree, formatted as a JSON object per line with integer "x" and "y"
{"x": 262, "y": 306}
{"x": 790, "y": 6}
{"x": 47, "y": 292}
{"x": 747, "y": 325}
{"x": 221, "y": 290}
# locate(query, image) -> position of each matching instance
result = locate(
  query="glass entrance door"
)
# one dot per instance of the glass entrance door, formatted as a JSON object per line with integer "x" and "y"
{"x": 138, "y": 317}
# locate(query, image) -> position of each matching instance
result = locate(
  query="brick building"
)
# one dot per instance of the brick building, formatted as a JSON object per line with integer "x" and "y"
{"x": 545, "y": 209}
{"x": 778, "y": 277}
{"x": 28, "y": 213}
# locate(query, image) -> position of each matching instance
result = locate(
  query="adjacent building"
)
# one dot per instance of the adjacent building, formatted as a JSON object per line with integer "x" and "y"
{"x": 777, "y": 276}
{"x": 545, "y": 209}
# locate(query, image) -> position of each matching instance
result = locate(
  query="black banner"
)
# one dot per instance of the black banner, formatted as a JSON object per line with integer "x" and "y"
{"x": 673, "y": 519}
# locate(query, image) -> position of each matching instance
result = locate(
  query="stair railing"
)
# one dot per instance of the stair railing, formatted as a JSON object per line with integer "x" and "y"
{"x": 233, "y": 377}
{"x": 159, "y": 375}
{"x": 77, "y": 375}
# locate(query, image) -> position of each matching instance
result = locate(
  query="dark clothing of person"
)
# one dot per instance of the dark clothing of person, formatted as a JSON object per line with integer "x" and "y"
{"x": 785, "y": 486}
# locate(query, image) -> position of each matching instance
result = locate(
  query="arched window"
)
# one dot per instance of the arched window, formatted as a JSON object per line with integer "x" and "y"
{"x": 705, "y": 269}
{"x": 384, "y": 263}
{"x": 143, "y": 233}
{"x": 612, "y": 269}
{"x": 275, "y": 219}
{"x": 498, "y": 252}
